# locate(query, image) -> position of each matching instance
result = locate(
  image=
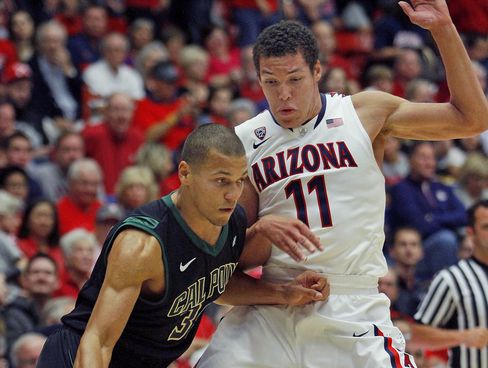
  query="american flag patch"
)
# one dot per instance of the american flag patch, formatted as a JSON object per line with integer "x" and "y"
{"x": 335, "y": 122}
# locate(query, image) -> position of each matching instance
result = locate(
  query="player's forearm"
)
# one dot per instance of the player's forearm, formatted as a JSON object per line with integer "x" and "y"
{"x": 435, "y": 338}
{"x": 92, "y": 353}
{"x": 466, "y": 93}
{"x": 257, "y": 249}
{"x": 243, "y": 289}
{"x": 162, "y": 128}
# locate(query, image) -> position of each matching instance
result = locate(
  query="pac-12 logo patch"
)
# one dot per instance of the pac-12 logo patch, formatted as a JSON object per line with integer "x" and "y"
{"x": 260, "y": 132}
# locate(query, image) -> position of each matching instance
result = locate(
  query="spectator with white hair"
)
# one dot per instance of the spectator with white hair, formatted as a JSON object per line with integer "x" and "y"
{"x": 80, "y": 248}
{"x": 53, "y": 311}
{"x": 194, "y": 63}
{"x": 26, "y": 350}
{"x": 110, "y": 74}
{"x": 141, "y": 33}
{"x": 149, "y": 56}
{"x": 240, "y": 110}
{"x": 136, "y": 186}
{"x": 11, "y": 259}
{"x": 56, "y": 82}
{"x": 79, "y": 207}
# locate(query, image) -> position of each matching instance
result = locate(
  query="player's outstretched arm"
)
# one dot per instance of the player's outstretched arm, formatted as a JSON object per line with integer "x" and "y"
{"x": 307, "y": 287}
{"x": 441, "y": 338}
{"x": 135, "y": 258}
{"x": 467, "y": 112}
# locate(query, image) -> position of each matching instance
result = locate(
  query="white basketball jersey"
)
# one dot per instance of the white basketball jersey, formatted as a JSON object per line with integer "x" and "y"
{"x": 325, "y": 174}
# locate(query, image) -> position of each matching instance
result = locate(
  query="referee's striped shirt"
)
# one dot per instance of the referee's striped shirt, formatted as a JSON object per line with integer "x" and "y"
{"x": 458, "y": 299}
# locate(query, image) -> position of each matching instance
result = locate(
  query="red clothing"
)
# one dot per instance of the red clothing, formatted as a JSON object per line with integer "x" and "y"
{"x": 68, "y": 287}
{"x": 112, "y": 153}
{"x": 251, "y": 4}
{"x": 224, "y": 67}
{"x": 30, "y": 247}
{"x": 8, "y": 55}
{"x": 398, "y": 89}
{"x": 71, "y": 216}
{"x": 148, "y": 4}
{"x": 149, "y": 113}
{"x": 252, "y": 91}
{"x": 337, "y": 61}
{"x": 72, "y": 24}
{"x": 470, "y": 15}
{"x": 169, "y": 184}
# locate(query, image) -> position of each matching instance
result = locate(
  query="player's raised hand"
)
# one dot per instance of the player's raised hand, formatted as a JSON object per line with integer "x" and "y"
{"x": 428, "y": 14}
{"x": 290, "y": 235}
{"x": 307, "y": 287}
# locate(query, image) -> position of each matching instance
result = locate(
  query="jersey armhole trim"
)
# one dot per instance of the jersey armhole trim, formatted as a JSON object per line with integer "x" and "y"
{"x": 127, "y": 224}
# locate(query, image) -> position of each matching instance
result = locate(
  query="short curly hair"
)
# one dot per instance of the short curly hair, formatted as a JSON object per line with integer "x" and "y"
{"x": 286, "y": 38}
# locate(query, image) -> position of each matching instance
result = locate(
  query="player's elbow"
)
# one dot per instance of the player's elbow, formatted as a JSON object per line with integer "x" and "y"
{"x": 477, "y": 120}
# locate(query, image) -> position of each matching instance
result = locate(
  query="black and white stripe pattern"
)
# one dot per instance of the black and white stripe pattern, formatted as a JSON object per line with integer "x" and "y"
{"x": 458, "y": 299}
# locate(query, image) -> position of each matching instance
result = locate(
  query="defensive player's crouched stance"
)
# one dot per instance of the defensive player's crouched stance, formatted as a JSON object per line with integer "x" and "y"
{"x": 166, "y": 261}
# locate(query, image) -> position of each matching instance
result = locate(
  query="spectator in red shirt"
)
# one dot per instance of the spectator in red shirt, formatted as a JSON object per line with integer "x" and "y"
{"x": 114, "y": 143}
{"x": 79, "y": 248}
{"x": 249, "y": 87}
{"x": 218, "y": 107}
{"x": 407, "y": 67}
{"x": 163, "y": 116}
{"x": 329, "y": 58}
{"x": 225, "y": 61}
{"x": 39, "y": 232}
{"x": 79, "y": 207}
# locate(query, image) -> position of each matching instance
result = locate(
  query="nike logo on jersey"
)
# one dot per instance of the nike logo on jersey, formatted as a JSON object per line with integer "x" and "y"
{"x": 234, "y": 240}
{"x": 364, "y": 333}
{"x": 183, "y": 267}
{"x": 256, "y": 145}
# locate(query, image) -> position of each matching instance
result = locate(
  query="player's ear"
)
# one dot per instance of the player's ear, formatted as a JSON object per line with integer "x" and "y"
{"x": 317, "y": 71}
{"x": 184, "y": 172}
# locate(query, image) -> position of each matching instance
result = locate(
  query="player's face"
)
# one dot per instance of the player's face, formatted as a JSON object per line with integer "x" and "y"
{"x": 216, "y": 186}
{"x": 291, "y": 89}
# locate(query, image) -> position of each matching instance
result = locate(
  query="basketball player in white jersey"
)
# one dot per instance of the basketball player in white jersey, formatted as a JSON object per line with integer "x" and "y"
{"x": 317, "y": 158}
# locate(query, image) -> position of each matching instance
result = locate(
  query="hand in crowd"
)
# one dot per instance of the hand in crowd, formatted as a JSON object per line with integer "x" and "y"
{"x": 307, "y": 287}
{"x": 62, "y": 58}
{"x": 290, "y": 235}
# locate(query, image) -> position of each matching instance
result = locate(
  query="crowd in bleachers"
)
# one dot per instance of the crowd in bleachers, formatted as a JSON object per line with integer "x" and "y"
{"x": 97, "y": 97}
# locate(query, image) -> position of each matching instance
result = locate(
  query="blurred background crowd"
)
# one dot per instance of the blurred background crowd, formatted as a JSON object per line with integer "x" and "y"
{"x": 97, "y": 97}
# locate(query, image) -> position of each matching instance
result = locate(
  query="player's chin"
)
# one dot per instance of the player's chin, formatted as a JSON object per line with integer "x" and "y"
{"x": 223, "y": 217}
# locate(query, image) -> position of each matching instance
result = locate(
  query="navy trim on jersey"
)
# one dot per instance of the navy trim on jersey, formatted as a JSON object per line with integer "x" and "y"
{"x": 213, "y": 250}
{"x": 322, "y": 110}
{"x": 319, "y": 116}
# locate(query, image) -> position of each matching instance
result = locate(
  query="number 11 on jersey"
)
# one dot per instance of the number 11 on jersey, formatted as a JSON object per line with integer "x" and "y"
{"x": 317, "y": 185}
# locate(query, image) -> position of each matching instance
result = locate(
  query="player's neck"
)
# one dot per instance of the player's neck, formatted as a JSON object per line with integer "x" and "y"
{"x": 200, "y": 225}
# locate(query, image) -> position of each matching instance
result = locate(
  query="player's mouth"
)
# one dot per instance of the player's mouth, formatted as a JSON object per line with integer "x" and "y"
{"x": 286, "y": 111}
{"x": 227, "y": 210}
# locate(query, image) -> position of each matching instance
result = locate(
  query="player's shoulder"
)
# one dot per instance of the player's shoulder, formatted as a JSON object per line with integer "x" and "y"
{"x": 263, "y": 119}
